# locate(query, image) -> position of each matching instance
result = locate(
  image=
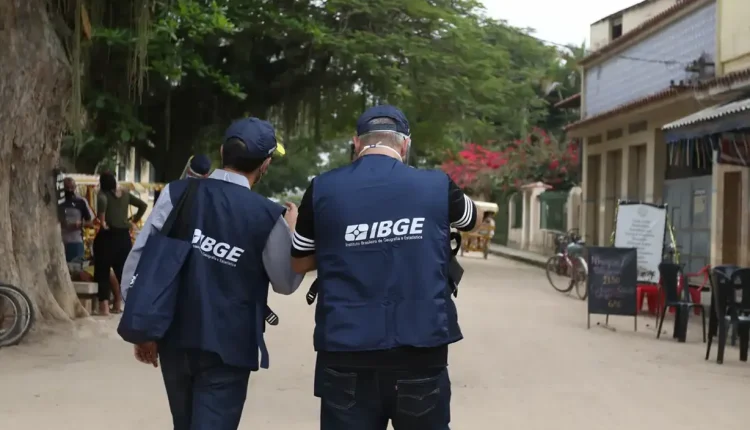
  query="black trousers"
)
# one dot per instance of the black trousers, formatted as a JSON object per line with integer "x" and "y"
{"x": 111, "y": 249}
{"x": 204, "y": 393}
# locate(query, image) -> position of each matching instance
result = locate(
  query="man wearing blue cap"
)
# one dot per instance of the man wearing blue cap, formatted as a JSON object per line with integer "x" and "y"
{"x": 241, "y": 242}
{"x": 199, "y": 166}
{"x": 377, "y": 231}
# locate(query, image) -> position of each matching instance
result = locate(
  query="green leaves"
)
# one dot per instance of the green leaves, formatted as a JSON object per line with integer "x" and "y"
{"x": 311, "y": 67}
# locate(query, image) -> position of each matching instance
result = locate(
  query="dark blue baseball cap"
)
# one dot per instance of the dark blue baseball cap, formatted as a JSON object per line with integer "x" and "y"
{"x": 259, "y": 137}
{"x": 200, "y": 164}
{"x": 384, "y": 111}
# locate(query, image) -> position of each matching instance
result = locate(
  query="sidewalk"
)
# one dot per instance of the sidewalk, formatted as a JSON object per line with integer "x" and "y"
{"x": 527, "y": 257}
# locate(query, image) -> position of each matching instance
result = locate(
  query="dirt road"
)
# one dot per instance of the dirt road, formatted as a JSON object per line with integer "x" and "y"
{"x": 527, "y": 363}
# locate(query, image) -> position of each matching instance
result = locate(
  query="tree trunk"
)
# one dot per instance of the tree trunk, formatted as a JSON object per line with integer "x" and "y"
{"x": 35, "y": 88}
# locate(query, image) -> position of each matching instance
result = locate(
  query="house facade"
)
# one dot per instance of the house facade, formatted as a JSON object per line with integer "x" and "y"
{"x": 665, "y": 119}
{"x": 632, "y": 86}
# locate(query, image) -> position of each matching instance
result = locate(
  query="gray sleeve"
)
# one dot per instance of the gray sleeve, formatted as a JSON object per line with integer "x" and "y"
{"x": 153, "y": 224}
{"x": 277, "y": 260}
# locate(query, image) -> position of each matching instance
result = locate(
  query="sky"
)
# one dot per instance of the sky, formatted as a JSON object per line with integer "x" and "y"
{"x": 564, "y": 22}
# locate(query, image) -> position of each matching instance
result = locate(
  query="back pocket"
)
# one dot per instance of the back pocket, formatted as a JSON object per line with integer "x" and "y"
{"x": 338, "y": 390}
{"x": 418, "y": 397}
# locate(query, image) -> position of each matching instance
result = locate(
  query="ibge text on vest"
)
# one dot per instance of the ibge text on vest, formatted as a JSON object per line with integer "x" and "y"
{"x": 384, "y": 231}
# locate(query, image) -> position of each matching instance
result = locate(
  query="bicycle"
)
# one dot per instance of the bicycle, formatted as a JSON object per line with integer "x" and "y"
{"x": 15, "y": 306}
{"x": 568, "y": 266}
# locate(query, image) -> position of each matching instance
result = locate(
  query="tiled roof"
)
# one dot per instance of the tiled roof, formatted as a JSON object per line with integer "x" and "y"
{"x": 636, "y": 32}
{"x": 711, "y": 113}
{"x": 573, "y": 101}
{"x": 727, "y": 79}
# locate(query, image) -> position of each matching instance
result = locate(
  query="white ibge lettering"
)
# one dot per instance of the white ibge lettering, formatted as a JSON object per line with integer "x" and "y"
{"x": 210, "y": 247}
{"x": 385, "y": 229}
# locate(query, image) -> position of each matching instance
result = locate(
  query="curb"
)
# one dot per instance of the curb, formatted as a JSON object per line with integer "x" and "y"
{"x": 521, "y": 259}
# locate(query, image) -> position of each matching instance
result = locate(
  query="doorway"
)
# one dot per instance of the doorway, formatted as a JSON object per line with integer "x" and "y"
{"x": 689, "y": 210}
{"x": 731, "y": 216}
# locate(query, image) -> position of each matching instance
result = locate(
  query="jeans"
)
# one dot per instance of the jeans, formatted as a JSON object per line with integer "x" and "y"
{"x": 73, "y": 250}
{"x": 368, "y": 399}
{"x": 204, "y": 393}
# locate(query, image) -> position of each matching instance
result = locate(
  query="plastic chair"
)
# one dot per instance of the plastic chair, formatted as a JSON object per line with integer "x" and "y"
{"x": 726, "y": 311}
{"x": 670, "y": 274}
{"x": 650, "y": 294}
{"x": 695, "y": 291}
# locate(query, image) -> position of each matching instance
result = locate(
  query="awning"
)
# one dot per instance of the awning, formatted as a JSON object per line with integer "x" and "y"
{"x": 716, "y": 119}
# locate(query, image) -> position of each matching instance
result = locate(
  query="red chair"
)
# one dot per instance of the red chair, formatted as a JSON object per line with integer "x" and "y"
{"x": 649, "y": 293}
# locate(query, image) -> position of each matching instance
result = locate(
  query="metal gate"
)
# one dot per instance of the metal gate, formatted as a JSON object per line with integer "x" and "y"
{"x": 689, "y": 211}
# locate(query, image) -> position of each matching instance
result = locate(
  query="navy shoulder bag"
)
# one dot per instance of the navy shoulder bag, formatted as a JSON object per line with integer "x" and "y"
{"x": 152, "y": 298}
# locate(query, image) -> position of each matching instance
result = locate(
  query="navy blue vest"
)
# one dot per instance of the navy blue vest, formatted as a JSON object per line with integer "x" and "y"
{"x": 382, "y": 248}
{"x": 224, "y": 291}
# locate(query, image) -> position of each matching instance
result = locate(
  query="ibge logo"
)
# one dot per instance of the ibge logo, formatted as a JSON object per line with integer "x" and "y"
{"x": 222, "y": 252}
{"x": 356, "y": 232}
{"x": 384, "y": 231}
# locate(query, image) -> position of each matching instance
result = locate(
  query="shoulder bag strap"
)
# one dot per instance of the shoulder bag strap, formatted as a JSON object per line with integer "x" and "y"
{"x": 177, "y": 224}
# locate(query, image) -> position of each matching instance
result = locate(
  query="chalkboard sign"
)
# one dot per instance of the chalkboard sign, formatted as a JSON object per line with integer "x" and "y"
{"x": 612, "y": 281}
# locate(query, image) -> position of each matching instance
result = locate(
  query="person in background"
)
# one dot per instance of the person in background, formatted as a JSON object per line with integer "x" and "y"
{"x": 487, "y": 228}
{"x": 489, "y": 219}
{"x": 377, "y": 232}
{"x": 112, "y": 244}
{"x": 78, "y": 214}
{"x": 198, "y": 167}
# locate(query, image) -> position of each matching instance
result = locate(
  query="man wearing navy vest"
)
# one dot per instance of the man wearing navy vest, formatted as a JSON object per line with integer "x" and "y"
{"x": 241, "y": 243}
{"x": 377, "y": 231}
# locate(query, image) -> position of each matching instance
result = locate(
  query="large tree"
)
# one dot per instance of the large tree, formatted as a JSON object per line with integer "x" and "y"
{"x": 35, "y": 89}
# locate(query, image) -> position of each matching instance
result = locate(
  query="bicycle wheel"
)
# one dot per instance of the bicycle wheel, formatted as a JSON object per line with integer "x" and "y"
{"x": 10, "y": 319}
{"x": 581, "y": 275}
{"x": 25, "y": 315}
{"x": 558, "y": 273}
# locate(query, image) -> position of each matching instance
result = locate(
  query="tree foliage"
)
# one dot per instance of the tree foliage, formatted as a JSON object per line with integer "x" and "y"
{"x": 310, "y": 67}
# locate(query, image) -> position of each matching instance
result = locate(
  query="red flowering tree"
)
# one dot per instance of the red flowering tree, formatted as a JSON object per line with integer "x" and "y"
{"x": 541, "y": 158}
{"x": 537, "y": 158}
{"x": 475, "y": 169}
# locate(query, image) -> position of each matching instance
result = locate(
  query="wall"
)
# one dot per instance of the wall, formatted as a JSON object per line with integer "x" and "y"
{"x": 638, "y": 15}
{"x": 515, "y": 235}
{"x": 129, "y": 161}
{"x": 636, "y": 173}
{"x": 618, "y": 80}
{"x": 531, "y": 236}
{"x": 631, "y": 18}
{"x": 599, "y": 35}
{"x": 734, "y": 34}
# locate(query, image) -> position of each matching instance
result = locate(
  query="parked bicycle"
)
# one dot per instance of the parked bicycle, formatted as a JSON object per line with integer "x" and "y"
{"x": 16, "y": 315}
{"x": 567, "y": 269}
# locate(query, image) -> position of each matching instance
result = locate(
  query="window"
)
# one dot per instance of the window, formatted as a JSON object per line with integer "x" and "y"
{"x": 554, "y": 211}
{"x": 517, "y": 200}
{"x": 615, "y": 29}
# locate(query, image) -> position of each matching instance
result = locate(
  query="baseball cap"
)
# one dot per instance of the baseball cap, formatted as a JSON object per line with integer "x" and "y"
{"x": 383, "y": 111}
{"x": 200, "y": 164}
{"x": 258, "y": 136}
